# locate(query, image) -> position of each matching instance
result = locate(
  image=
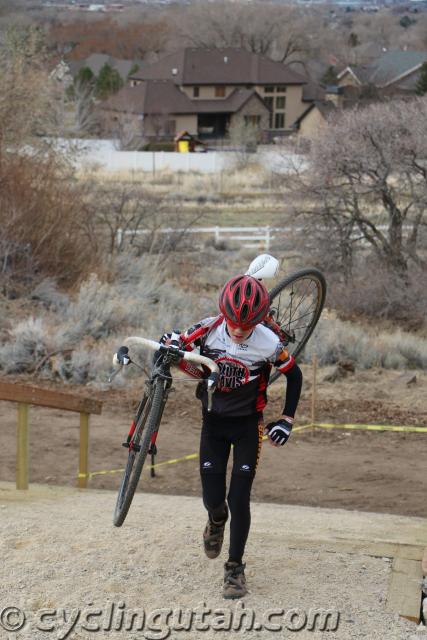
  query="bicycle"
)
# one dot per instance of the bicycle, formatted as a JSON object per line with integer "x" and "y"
{"x": 303, "y": 294}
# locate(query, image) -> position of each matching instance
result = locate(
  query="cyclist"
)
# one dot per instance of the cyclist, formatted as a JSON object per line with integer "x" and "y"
{"x": 245, "y": 349}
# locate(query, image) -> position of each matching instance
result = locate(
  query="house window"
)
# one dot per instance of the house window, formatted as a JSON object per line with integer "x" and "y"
{"x": 220, "y": 92}
{"x": 170, "y": 127}
{"x": 253, "y": 120}
{"x": 269, "y": 103}
{"x": 280, "y": 102}
{"x": 196, "y": 92}
{"x": 281, "y": 88}
{"x": 268, "y": 89}
{"x": 279, "y": 121}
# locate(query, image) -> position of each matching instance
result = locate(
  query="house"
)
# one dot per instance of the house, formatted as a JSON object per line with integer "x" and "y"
{"x": 314, "y": 118}
{"x": 163, "y": 109}
{"x": 393, "y": 72}
{"x": 205, "y": 91}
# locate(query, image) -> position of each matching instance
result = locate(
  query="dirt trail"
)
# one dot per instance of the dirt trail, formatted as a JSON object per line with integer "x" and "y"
{"x": 60, "y": 550}
{"x": 369, "y": 471}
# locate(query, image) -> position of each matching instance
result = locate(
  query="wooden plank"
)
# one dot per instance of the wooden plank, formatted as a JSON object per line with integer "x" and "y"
{"x": 22, "y": 447}
{"x": 359, "y": 547}
{"x": 48, "y": 398}
{"x": 84, "y": 451}
{"x": 404, "y": 593}
{"x": 424, "y": 563}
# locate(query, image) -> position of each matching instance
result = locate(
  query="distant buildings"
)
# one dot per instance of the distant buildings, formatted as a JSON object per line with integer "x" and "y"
{"x": 207, "y": 91}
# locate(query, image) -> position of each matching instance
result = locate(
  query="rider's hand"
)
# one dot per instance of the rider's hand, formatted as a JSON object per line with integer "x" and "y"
{"x": 279, "y": 431}
{"x": 121, "y": 357}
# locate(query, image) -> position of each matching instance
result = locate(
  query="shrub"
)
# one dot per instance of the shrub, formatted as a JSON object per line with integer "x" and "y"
{"x": 41, "y": 213}
{"x": 335, "y": 340}
{"x": 48, "y": 294}
{"x": 29, "y": 342}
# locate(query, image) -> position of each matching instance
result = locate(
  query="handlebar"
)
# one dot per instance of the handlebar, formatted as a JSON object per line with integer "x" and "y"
{"x": 185, "y": 355}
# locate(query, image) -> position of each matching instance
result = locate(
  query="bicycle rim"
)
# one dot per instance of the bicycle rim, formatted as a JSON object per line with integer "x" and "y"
{"x": 147, "y": 423}
{"x": 297, "y": 302}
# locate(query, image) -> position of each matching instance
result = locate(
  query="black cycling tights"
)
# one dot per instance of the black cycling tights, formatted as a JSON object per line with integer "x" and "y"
{"x": 218, "y": 434}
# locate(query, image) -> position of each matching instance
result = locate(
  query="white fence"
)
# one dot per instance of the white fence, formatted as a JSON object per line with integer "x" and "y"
{"x": 247, "y": 236}
{"x": 104, "y": 154}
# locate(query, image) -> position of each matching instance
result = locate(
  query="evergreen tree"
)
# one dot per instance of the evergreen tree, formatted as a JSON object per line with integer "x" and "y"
{"x": 406, "y": 22}
{"x": 421, "y": 86}
{"x": 108, "y": 82}
{"x": 329, "y": 77}
{"x": 134, "y": 69}
{"x": 85, "y": 76}
{"x": 353, "y": 39}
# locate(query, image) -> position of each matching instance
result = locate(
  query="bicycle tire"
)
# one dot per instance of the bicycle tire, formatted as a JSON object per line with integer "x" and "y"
{"x": 303, "y": 333}
{"x": 147, "y": 424}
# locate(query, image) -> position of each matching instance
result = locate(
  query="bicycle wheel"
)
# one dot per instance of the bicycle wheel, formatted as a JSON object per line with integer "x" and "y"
{"x": 148, "y": 420}
{"x": 296, "y": 303}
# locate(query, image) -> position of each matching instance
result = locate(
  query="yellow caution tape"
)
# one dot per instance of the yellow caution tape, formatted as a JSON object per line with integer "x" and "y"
{"x": 190, "y": 456}
{"x": 371, "y": 427}
{"x": 193, "y": 456}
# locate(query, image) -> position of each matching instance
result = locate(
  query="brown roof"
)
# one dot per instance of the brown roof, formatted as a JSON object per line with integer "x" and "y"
{"x": 233, "y": 103}
{"x": 155, "y": 96}
{"x": 163, "y": 96}
{"x": 219, "y": 66}
{"x": 325, "y": 107}
{"x": 312, "y": 91}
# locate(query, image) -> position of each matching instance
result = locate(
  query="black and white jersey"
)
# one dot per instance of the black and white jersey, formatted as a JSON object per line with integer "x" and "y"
{"x": 244, "y": 368}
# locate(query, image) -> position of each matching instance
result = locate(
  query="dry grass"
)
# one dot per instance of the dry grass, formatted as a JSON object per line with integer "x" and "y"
{"x": 334, "y": 340}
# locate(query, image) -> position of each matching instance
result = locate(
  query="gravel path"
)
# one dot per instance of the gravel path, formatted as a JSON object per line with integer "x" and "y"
{"x": 60, "y": 550}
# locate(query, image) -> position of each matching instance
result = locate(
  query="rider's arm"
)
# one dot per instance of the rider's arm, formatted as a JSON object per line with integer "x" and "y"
{"x": 280, "y": 430}
{"x": 293, "y": 391}
{"x": 286, "y": 364}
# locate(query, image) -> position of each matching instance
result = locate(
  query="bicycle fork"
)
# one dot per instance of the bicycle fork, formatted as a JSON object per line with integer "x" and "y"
{"x": 152, "y": 451}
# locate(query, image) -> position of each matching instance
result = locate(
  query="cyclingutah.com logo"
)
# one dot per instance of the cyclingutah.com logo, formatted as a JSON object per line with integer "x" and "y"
{"x": 158, "y": 624}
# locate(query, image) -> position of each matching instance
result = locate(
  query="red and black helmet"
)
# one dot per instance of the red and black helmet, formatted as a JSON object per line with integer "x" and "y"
{"x": 244, "y": 301}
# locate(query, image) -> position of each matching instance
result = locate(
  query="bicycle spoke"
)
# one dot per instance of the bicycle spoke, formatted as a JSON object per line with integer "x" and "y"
{"x": 297, "y": 303}
{"x": 304, "y": 326}
{"x": 302, "y": 297}
{"x": 309, "y": 312}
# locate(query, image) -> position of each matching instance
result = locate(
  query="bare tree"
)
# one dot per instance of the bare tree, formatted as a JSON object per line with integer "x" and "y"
{"x": 25, "y": 92}
{"x": 244, "y": 138}
{"x": 129, "y": 133}
{"x": 367, "y": 183}
{"x": 39, "y": 201}
{"x": 117, "y": 214}
{"x": 124, "y": 216}
{"x": 262, "y": 28}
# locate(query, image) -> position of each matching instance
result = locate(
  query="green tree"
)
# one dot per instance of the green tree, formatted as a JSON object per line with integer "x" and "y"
{"x": 421, "y": 86}
{"x": 353, "y": 39}
{"x": 134, "y": 69}
{"x": 329, "y": 77}
{"x": 85, "y": 76}
{"x": 406, "y": 22}
{"x": 107, "y": 82}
